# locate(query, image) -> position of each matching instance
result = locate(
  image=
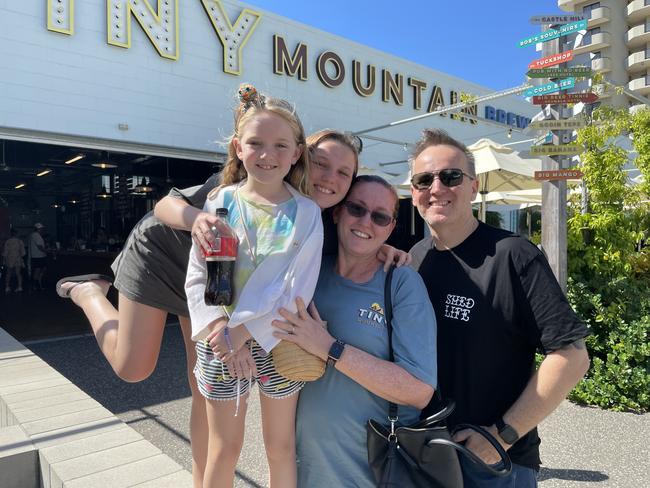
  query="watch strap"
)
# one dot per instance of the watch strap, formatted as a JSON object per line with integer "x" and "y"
{"x": 335, "y": 352}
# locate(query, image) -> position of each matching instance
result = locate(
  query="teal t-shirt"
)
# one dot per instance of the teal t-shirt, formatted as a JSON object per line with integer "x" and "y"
{"x": 333, "y": 411}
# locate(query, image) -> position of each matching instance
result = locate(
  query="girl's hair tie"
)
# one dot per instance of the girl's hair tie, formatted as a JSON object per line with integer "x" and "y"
{"x": 248, "y": 95}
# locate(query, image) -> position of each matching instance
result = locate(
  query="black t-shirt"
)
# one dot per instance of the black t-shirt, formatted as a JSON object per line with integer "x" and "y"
{"x": 496, "y": 302}
{"x": 331, "y": 239}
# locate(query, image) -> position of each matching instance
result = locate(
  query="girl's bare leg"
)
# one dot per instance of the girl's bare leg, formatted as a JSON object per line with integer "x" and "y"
{"x": 225, "y": 442}
{"x": 129, "y": 337}
{"x": 278, "y": 425}
{"x": 198, "y": 416}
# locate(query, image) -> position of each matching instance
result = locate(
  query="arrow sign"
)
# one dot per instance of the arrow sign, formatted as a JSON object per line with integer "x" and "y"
{"x": 555, "y": 150}
{"x": 577, "y": 71}
{"x": 550, "y": 34}
{"x": 551, "y": 60}
{"x": 545, "y": 139}
{"x": 556, "y": 19}
{"x": 558, "y": 124}
{"x": 550, "y": 87}
{"x": 554, "y": 99}
{"x": 558, "y": 174}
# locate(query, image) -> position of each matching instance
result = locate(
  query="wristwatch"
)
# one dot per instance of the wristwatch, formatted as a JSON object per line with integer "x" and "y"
{"x": 506, "y": 432}
{"x": 335, "y": 352}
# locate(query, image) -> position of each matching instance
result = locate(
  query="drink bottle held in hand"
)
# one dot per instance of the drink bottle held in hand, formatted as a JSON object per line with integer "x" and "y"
{"x": 220, "y": 262}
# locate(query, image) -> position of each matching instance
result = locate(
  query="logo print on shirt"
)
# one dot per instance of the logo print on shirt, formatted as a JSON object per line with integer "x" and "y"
{"x": 374, "y": 315}
{"x": 458, "y": 307}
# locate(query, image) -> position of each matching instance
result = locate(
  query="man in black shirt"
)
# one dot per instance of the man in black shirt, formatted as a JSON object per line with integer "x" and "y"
{"x": 497, "y": 303}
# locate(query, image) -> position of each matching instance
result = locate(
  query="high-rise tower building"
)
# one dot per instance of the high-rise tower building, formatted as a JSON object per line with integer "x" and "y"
{"x": 617, "y": 44}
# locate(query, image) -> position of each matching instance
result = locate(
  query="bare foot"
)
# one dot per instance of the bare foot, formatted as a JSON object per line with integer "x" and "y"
{"x": 82, "y": 291}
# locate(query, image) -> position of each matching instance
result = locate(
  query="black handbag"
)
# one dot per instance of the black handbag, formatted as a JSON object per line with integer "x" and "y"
{"x": 422, "y": 455}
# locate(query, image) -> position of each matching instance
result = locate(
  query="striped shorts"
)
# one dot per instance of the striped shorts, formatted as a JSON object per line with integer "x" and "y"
{"x": 215, "y": 382}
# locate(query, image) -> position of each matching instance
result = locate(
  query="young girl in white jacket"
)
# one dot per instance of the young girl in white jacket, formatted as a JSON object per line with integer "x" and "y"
{"x": 264, "y": 184}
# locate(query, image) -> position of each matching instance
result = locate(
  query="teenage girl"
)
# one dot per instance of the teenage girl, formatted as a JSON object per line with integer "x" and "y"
{"x": 264, "y": 186}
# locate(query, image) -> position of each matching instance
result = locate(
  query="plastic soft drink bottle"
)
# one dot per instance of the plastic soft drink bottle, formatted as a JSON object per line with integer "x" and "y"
{"x": 220, "y": 262}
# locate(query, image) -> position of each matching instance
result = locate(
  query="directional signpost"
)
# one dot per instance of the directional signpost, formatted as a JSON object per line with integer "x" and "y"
{"x": 565, "y": 124}
{"x": 586, "y": 97}
{"x": 550, "y": 34}
{"x": 550, "y": 150}
{"x": 558, "y": 174}
{"x": 556, "y": 19}
{"x": 550, "y": 87}
{"x": 577, "y": 72}
{"x": 552, "y": 60}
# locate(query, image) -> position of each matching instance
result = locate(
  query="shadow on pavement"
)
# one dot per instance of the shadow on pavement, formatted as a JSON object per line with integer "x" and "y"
{"x": 80, "y": 360}
{"x": 571, "y": 475}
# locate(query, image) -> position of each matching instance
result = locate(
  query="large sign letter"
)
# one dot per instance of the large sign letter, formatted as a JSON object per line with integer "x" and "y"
{"x": 233, "y": 37}
{"x": 60, "y": 16}
{"x": 321, "y": 69}
{"x": 283, "y": 61}
{"x": 392, "y": 87}
{"x": 358, "y": 86}
{"x": 161, "y": 27}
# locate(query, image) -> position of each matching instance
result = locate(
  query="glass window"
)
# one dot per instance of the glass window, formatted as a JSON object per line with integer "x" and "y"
{"x": 587, "y": 9}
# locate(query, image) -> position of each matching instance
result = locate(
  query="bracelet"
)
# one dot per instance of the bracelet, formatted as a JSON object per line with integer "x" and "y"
{"x": 226, "y": 334}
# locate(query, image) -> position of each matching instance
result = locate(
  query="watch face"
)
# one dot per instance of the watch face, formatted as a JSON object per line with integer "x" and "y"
{"x": 508, "y": 434}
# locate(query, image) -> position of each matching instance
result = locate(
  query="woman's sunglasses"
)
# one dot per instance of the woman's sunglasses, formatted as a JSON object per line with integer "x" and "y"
{"x": 448, "y": 177}
{"x": 356, "y": 210}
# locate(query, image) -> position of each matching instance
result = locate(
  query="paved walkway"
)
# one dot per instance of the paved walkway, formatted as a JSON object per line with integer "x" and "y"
{"x": 581, "y": 447}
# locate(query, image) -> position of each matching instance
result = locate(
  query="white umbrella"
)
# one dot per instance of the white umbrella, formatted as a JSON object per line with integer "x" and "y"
{"x": 401, "y": 191}
{"x": 526, "y": 198}
{"x": 501, "y": 169}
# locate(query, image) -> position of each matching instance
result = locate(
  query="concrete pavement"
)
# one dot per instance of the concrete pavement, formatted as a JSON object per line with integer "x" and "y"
{"x": 580, "y": 446}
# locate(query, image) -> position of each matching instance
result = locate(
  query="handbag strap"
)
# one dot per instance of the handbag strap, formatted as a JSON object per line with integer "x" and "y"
{"x": 388, "y": 315}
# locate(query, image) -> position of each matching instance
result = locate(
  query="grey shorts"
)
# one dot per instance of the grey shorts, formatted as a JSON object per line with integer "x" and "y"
{"x": 215, "y": 383}
{"x": 152, "y": 266}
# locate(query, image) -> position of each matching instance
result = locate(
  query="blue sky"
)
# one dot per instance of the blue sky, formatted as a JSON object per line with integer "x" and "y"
{"x": 473, "y": 39}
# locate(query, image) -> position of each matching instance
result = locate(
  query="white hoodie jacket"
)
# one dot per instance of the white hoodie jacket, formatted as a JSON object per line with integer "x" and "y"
{"x": 275, "y": 283}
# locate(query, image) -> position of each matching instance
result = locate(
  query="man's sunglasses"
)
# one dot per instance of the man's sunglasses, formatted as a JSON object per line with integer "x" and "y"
{"x": 356, "y": 210}
{"x": 448, "y": 177}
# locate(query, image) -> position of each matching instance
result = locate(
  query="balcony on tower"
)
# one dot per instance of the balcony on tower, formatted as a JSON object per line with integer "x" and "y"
{"x": 638, "y": 11}
{"x": 638, "y": 36}
{"x": 640, "y": 85}
{"x": 638, "y": 61}
{"x": 593, "y": 41}
{"x": 601, "y": 65}
{"x": 597, "y": 16}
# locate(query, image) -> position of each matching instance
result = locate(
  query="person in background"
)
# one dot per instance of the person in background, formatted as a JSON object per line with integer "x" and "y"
{"x": 498, "y": 303}
{"x": 12, "y": 254}
{"x": 37, "y": 256}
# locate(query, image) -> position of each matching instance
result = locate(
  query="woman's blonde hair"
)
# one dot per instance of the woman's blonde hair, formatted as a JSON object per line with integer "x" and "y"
{"x": 252, "y": 103}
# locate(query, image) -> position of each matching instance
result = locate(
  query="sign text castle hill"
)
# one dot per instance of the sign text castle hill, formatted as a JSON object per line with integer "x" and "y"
{"x": 160, "y": 22}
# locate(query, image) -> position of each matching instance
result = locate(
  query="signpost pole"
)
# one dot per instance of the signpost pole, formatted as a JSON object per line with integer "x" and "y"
{"x": 554, "y": 207}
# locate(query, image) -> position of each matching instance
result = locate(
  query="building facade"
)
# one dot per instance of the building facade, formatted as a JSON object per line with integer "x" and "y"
{"x": 616, "y": 44}
{"x": 144, "y": 91}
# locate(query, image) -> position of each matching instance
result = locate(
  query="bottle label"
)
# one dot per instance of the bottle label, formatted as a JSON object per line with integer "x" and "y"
{"x": 223, "y": 249}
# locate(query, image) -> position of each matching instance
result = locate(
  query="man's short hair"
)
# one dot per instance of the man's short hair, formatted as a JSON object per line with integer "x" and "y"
{"x": 438, "y": 137}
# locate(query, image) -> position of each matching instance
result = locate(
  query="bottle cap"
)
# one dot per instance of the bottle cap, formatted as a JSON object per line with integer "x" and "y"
{"x": 222, "y": 212}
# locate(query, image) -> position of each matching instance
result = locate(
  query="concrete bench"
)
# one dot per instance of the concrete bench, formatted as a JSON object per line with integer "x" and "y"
{"x": 53, "y": 435}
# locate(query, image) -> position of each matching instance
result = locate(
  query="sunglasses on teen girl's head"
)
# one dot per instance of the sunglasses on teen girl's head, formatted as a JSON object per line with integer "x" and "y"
{"x": 448, "y": 177}
{"x": 356, "y": 210}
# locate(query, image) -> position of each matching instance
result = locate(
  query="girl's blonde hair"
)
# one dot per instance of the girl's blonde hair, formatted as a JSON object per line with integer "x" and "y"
{"x": 252, "y": 103}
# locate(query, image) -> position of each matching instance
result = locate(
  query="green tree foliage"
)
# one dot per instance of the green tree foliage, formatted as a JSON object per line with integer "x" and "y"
{"x": 609, "y": 284}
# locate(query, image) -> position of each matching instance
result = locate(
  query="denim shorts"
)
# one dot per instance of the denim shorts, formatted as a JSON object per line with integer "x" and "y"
{"x": 519, "y": 477}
